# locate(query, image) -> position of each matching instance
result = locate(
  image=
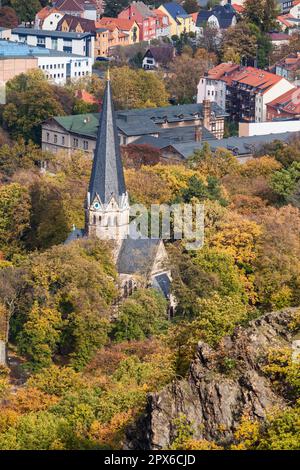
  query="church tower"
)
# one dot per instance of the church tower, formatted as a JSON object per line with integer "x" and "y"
{"x": 107, "y": 203}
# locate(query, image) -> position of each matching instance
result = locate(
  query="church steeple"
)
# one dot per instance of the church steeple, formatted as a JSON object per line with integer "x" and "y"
{"x": 107, "y": 178}
{"x": 107, "y": 208}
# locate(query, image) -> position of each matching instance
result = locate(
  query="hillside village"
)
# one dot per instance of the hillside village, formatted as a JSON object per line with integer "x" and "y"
{"x": 113, "y": 337}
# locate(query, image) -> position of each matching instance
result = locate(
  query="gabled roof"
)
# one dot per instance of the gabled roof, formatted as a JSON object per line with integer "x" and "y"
{"x": 73, "y": 21}
{"x": 161, "y": 54}
{"x": 137, "y": 256}
{"x": 288, "y": 103}
{"x": 122, "y": 23}
{"x": 45, "y": 12}
{"x": 175, "y": 10}
{"x": 220, "y": 70}
{"x": 107, "y": 177}
{"x": 224, "y": 15}
{"x": 68, "y": 5}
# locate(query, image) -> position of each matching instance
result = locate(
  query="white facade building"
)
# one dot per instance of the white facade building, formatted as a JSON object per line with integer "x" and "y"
{"x": 60, "y": 68}
{"x": 212, "y": 90}
{"x": 74, "y": 43}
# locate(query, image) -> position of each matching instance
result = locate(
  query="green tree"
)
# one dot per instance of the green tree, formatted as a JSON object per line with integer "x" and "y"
{"x": 141, "y": 316}
{"x": 240, "y": 39}
{"x": 26, "y": 11}
{"x": 190, "y": 6}
{"x": 30, "y": 101}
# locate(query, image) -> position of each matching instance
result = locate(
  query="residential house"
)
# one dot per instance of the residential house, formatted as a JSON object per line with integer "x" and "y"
{"x": 285, "y": 5}
{"x": 88, "y": 9}
{"x": 75, "y": 43}
{"x": 180, "y": 21}
{"x": 219, "y": 17}
{"x": 58, "y": 67}
{"x": 162, "y": 24}
{"x": 158, "y": 56}
{"x": 129, "y": 27}
{"x": 279, "y": 39}
{"x": 295, "y": 10}
{"x": 286, "y": 106}
{"x": 182, "y": 123}
{"x": 247, "y": 90}
{"x": 75, "y": 24}
{"x": 47, "y": 18}
{"x": 289, "y": 68}
{"x": 144, "y": 17}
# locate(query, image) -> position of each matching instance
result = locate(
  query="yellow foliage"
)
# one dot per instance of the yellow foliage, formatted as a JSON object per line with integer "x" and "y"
{"x": 8, "y": 419}
{"x": 110, "y": 435}
{"x": 30, "y": 399}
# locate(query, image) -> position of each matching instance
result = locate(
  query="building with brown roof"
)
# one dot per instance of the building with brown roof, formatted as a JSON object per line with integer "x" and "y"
{"x": 289, "y": 68}
{"x": 286, "y": 106}
{"x": 245, "y": 91}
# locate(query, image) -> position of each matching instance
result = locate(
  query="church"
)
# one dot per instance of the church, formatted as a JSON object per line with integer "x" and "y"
{"x": 140, "y": 262}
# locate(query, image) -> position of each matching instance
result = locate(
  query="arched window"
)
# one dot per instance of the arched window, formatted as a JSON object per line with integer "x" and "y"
{"x": 95, "y": 220}
{"x": 100, "y": 219}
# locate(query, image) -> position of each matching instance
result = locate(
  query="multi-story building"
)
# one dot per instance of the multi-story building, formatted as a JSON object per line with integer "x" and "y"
{"x": 59, "y": 67}
{"x": 162, "y": 24}
{"x": 180, "y": 21}
{"x": 129, "y": 27}
{"x": 144, "y": 17}
{"x": 171, "y": 124}
{"x": 288, "y": 68}
{"x": 247, "y": 90}
{"x": 219, "y": 17}
{"x": 75, "y": 43}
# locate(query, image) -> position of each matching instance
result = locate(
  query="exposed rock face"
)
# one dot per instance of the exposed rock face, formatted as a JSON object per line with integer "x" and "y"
{"x": 222, "y": 385}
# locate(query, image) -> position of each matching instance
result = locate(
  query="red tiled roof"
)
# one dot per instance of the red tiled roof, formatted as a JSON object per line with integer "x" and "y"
{"x": 289, "y": 102}
{"x": 123, "y": 24}
{"x": 238, "y": 8}
{"x": 284, "y": 19}
{"x": 45, "y": 12}
{"x": 219, "y": 71}
{"x": 254, "y": 78}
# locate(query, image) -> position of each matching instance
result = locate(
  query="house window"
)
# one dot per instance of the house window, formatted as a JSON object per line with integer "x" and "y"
{"x": 85, "y": 145}
{"x": 55, "y": 138}
{"x": 63, "y": 140}
{"x": 75, "y": 142}
{"x": 48, "y": 136}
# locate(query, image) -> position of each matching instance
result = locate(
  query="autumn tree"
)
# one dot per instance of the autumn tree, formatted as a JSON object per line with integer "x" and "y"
{"x": 184, "y": 77}
{"x": 262, "y": 13}
{"x": 137, "y": 89}
{"x": 8, "y": 17}
{"x": 239, "y": 42}
{"x": 65, "y": 303}
{"x": 14, "y": 217}
{"x": 30, "y": 101}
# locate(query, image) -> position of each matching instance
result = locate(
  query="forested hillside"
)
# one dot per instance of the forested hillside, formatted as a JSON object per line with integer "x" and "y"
{"x": 80, "y": 373}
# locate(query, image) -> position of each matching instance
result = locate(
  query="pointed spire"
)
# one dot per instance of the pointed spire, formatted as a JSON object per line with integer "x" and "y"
{"x": 107, "y": 178}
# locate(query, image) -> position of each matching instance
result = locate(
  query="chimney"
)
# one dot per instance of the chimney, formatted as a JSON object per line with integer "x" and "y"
{"x": 198, "y": 133}
{"x": 206, "y": 113}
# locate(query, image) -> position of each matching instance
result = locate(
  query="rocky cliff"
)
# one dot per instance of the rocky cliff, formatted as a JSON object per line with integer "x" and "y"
{"x": 221, "y": 386}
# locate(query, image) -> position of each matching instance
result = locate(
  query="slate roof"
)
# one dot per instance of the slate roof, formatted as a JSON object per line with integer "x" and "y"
{"x": 224, "y": 15}
{"x": 174, "y": 9}
{"x": 137, "y": 256}
{"x": 238, "y": 145}
{"x": 138, "y": 122}
{"x": 107, "y": 177}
